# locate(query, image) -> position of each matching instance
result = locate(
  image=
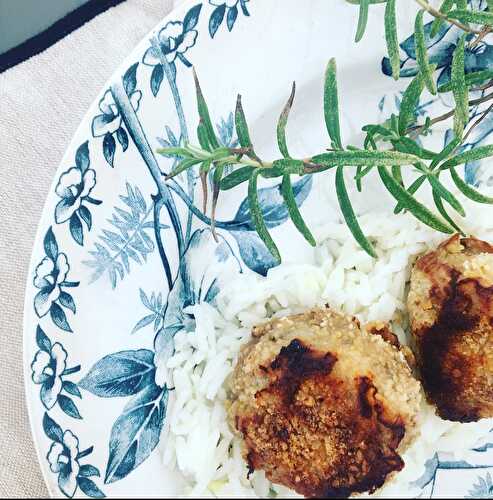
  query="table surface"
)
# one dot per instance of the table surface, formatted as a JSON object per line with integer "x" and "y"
{"x": 22, "y": 19}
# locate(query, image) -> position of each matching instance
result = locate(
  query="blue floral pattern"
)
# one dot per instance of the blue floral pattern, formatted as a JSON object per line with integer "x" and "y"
{"x": 49, "y": 370}
{"x": 64, "y": 461}
{"x": 74, "y": 188}
{"x": 148, "y": 224}
{"x": 50, "y": 279}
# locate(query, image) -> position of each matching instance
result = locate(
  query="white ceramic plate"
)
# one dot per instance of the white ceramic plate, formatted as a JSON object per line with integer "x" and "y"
{"x": 106, "y": 289}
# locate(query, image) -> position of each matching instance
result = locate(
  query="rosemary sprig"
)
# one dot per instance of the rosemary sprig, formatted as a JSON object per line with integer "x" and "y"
{"x": 388, "y": 148}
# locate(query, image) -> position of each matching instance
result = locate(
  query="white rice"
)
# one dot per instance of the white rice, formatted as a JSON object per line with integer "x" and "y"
{"x": 201, "y": 445}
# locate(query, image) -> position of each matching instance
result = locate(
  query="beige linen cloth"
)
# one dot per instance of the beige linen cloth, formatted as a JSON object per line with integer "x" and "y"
{"x": 42, "y": 101}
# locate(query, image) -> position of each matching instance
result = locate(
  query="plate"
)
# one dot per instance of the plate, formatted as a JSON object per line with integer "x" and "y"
{"x": 121, "y": 252}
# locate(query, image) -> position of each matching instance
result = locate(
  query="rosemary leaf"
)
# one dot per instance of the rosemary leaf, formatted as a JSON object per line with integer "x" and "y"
{"x": 331, "y": 105}
{"x": 443, "y": 212}
{"x": 235, "y": 178}
{"x": 446, "y": 152}
{"x": 362, "y": 19}
{"x": 258, "y": 219}
{"x": 184, "y": 165}
{"x": 349, "y": 215}
{"x": 472, "y": 16}
{"x": 409, "y": 102}
{"x": 397, "y": 174}
{"x": 202, "y": 136}
{"x": 364, "y": 158}
{"x": 412, "y": 189}
{"x": 468, "y": 190}
{"x": 204, "y": 114}
{"x": 438, "y": 22}
{"x": 391, "y": 38}
{"x": 459, "y": 88}
{"x": 471, "y": 155}
{"x": 241, "y": 125}
{"x": 282, "y": 122}
{"x": 422, "y": 54}
{"x": 360, "y": 173}
{"x": 182, "y": 152}
{"x": 444, "y": 193}
{"x": 377, "y": 129}
{"x": 407, "y": 145}
{"x": 410, "y": 203}
{"x": 471, "y": 79}
{"x": 293, "y": 210}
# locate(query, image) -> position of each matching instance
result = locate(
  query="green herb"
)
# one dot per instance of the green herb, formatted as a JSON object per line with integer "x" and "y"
{"x": 425, "y": 69}
{"x": 391, "y": 38}
{"x": 389, "y": 148}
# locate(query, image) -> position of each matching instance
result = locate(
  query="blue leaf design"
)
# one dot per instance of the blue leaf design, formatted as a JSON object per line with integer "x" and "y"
{"x": 130, "y": 79}
{"x": 122, "y": 136}
{"x": 87, "y": 470}
{"x": 136, "y": 432}
{"x": 409, "y": 47}
{"x": 59, "y": 318}
{"x": 50, "y": 245}
{"x": 216, "y": 19}
{"x": 132, "y": 242}
{"x": 120, "y": 374}
{"x": 109, "y": 147}
{"x": 76, "y": 229}
{"x": 244, "y": 7}
{"x": 71, "y": 388}
{"x": 231, "y": 18}
{"x": 42, "y": 340}
{"x": 273, "y": 208}
{"x": 89, "y": 488}
{"x": 67, "y": 301}
{"x": 86, "y": 453}
{"x": 86, "y": 216}
{"x": 82, "y": 157}
{"x": 146, "y": 320}
{"x": 52, "y": 429}
{"x": 254, "y": 252}
{"x": 191, "y": 18}
{"x": 68, "y": 406}
{"x": 156, "y": 79}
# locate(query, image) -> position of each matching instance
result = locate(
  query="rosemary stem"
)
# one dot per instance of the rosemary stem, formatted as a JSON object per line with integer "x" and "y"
{"x": 436, "y": 13}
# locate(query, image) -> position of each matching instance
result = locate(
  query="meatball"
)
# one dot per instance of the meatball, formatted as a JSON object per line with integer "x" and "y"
{"x": 451, "y": 313}
{"x": 323, "y": 407}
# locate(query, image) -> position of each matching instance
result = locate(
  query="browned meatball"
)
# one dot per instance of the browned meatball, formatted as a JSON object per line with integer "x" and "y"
{"x": 323, "y": 407}
{"x": 451, "y": 311}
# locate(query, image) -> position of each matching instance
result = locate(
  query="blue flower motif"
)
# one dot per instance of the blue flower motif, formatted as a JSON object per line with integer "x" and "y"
{"x": 63, "y": 461}
{"x": 73, "y": 188}
{"x": 110, "y": 120}
{"x": 174, "y": 40}
{"x": 47, "y": 369}
{"x": 48, "y": 277}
